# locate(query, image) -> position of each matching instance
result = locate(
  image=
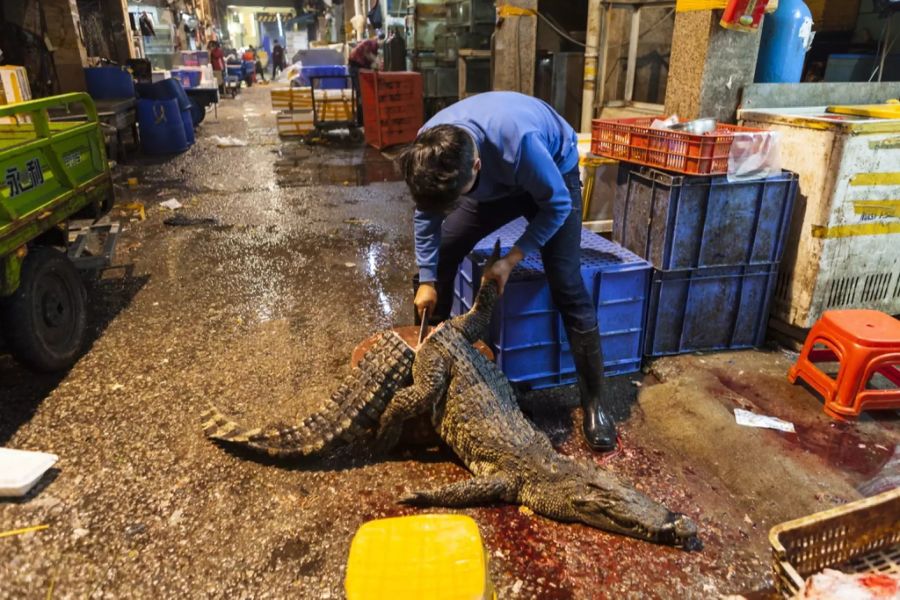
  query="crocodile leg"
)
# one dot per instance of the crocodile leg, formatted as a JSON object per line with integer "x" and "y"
{"x": 475, "y": 324}
{"x": 469, "y": 492}
{"x": 430, "y": 378}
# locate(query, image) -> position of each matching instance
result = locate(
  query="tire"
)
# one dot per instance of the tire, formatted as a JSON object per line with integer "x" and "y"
{"x": 45, "y": 322}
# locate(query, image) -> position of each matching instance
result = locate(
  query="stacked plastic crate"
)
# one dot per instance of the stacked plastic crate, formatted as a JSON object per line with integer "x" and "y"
{"x": 715, "y": 247}
{"x": 295, "y": 107}
{"x": 393, "y": 106}
{"x": 527, "y": 334}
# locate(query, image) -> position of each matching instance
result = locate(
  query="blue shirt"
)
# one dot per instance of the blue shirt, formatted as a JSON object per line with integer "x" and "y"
{"x": 524, "y": 145}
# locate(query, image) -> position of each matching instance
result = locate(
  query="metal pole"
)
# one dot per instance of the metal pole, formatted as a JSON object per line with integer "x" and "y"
{"x": 600, "y": 99}
{"x": 592, "y": 41}
{"x": 632, "y": 54}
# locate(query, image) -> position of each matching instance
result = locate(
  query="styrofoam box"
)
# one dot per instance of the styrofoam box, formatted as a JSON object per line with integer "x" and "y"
{"x": 21, "y": 469}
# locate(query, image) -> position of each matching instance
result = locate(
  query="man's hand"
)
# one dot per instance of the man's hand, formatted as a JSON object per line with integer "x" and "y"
{"x": 426, "y": 298}
{"x": 501, "y": 269}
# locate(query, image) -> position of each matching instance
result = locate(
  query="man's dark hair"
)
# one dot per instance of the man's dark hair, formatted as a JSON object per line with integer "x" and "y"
{"x": 438, "y": 165}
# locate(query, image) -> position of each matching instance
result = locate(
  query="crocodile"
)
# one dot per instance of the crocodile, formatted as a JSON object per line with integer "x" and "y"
{"x": 473, "y": 408}
{"x": 350, "y": 416}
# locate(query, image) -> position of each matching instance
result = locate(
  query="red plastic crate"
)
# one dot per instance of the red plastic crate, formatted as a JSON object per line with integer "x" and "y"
{"x": 632, "y": 140}
{"x": 393, "y": 106}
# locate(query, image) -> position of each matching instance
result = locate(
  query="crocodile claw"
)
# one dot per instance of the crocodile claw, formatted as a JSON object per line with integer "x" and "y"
{"x": 387, "y": 437}
{"x": 413, "y": 499}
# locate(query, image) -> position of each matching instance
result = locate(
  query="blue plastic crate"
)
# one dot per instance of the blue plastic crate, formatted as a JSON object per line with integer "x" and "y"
{"x": 718, "y": 308}
{"x": 527, "y": 333}
{"x": 335, "y": 76}
{"x": 683, "y": 222}
{"x": 188, "y": 79}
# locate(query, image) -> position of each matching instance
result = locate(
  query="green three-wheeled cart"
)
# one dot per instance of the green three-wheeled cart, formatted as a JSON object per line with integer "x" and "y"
{"x": 55, "y": 174}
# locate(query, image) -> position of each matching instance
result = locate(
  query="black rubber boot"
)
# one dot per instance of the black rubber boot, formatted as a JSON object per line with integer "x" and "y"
{"x": 598, "y": 427}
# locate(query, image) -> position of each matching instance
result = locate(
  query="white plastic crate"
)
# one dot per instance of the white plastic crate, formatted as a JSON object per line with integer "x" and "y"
{"x": 843, "y": 248}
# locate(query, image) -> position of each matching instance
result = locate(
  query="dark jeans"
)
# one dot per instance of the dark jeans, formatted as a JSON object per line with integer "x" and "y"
{"x": 471, "y": 221}
{"x": 354, "y": 81}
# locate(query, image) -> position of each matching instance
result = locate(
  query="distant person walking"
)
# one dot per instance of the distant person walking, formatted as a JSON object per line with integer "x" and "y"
{"x": 278, "y": 62}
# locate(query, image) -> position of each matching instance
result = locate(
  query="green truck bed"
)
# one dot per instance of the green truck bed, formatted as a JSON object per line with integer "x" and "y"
{"x": 51, "y": 171}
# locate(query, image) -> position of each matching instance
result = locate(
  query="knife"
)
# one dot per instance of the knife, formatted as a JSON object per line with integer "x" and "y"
{"x": 423, "y": 328}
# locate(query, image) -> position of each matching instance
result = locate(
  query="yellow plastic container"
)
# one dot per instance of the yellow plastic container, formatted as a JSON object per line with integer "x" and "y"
{"x": 422, "y": 557}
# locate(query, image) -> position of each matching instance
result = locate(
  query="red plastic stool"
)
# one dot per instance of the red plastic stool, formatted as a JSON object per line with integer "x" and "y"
{"x": 864, "y": 342}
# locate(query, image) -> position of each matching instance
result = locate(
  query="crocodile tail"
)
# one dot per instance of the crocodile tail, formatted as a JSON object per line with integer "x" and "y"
{"x": 350, "y": 414}
{"x": 217, "y": 426}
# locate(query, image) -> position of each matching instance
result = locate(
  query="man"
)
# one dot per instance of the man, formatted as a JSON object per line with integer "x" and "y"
{"x": 277, "y": 58}
{"x": 363, "y": 56}
{"x": 217, "y": 60}
{"x": 476, "y": 166}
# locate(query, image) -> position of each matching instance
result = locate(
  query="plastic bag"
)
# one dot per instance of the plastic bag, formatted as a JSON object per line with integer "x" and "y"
{"x": 664, "y": 123}
{"x": 754, "y": 155}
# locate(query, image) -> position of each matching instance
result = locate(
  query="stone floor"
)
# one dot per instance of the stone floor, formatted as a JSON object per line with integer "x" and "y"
{"x": 303, "y": 251}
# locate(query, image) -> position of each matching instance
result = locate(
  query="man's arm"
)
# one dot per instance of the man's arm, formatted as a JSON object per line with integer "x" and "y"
{"x": 536, "y": 171}
{"x": 428, "y": 240}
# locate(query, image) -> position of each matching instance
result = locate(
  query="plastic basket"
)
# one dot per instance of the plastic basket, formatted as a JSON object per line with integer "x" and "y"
{"x": 527, "y": 333}
{"x": 188, "y": 79}
{"x": 717, "y": 308}
{"x": 634, "y": 141}
{"x": 859, "y": 537}
{"x": 334, "y": 77}
{"x": 393, "y": 107}
{"x": 679, "y": 222}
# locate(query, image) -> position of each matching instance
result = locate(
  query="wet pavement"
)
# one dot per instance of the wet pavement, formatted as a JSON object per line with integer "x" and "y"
{"x": 284, "y": 257}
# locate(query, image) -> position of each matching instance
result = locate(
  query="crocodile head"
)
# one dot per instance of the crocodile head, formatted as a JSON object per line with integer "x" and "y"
{"x": 600, "y": 500}
{"x": 614, "y": 507}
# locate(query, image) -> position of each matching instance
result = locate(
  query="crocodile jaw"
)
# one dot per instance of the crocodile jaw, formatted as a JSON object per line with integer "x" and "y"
{"x": 611, "y": 506}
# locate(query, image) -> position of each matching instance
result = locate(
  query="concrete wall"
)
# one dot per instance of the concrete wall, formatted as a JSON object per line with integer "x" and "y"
{"x": 63, "y": 32}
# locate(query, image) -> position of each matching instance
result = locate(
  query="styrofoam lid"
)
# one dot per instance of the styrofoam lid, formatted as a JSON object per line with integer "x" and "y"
{"x": 21, "y": 469}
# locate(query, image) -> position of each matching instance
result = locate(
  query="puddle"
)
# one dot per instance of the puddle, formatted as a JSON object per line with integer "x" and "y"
{"x": 298, "y": 165}
{"x": 839, "y": 445}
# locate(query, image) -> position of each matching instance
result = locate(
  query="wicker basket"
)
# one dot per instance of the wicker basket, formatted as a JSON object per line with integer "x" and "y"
{"x": 862, "y": 536}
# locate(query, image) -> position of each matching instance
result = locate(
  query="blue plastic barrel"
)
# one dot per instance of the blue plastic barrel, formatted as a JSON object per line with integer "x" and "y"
{"x": 109, "y": 83}
{"x": 188, "y": 122}
{"x": 166, "y": 89}
{"x": 786, "y": 37}
{"x": 162, "y": 127}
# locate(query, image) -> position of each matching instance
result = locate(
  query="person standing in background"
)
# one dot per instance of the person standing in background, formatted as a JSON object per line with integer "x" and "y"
{"x": 363, "y": 56}
{"x": 277, "y": 58}
{"x": 217, "y": 60}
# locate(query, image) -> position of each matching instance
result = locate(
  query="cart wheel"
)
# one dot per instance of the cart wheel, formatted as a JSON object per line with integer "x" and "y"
{"x": 356, "y": 135}
{"x": 44, "y": 321}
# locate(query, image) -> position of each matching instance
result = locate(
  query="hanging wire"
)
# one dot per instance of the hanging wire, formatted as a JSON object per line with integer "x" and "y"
{"x": 559, "y": 31}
